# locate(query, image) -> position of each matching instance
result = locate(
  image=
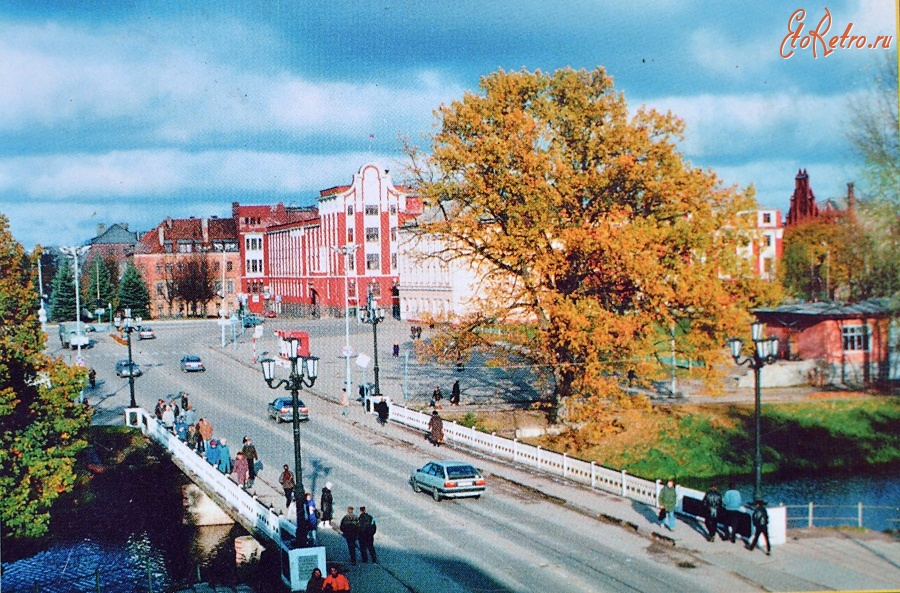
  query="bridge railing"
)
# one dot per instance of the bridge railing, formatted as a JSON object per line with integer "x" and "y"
{"x": 598, "y": 477}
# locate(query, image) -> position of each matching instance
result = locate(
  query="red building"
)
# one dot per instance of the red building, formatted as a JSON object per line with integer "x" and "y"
{"x": 295, "y": 261}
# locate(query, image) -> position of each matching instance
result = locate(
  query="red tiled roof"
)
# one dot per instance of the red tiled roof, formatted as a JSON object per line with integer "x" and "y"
{"x": 338, "y": 189}
{"x": 186, "y": 229}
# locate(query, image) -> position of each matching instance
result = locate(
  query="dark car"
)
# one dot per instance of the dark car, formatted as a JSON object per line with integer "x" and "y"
{"x": 124, "y": 369}
{"x": 448, "y": 479}
{"x": 281, "y": 409}
{"x": 191, "y": 363}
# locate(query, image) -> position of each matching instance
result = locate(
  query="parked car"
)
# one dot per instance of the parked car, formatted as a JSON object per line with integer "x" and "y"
{"x": 192, "y": 363}
{"x": 90, "y": 328}
{"x": 146, "y": 333}
{"x": 448, "y": 479}
{"x": 269, "y": 314}
{"x": 252, "y": 320}
{"x": 281, "y": 409}
{"x": 124, "y": 369}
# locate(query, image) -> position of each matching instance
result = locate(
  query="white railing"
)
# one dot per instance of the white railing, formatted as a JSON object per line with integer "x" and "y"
{"x": 609, "y": 480}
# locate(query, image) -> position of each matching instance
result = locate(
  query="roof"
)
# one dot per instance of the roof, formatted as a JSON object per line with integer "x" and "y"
{"x": 116, "y": 234}
{"x": 187, "y": 229}
{"x": 337, "y": 189}
{"x": 878, "y": 307}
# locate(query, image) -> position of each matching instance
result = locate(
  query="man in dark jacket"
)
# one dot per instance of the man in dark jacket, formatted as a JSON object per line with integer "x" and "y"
{"x": 350, "y": 531}
{"x": 326, "y": 505}
{"x": 367, "y": 530}
{"x": 760, "y": 526}
{"x": 712, "y": 502}
{"x": 249, "y": 450}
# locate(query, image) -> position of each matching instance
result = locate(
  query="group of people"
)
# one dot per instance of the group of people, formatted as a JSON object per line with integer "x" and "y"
{"x": 437, "y": 395}
{"x": 179, "y": 418}
{"x": 359, "y": 530}
{"x": 719, "y": 509}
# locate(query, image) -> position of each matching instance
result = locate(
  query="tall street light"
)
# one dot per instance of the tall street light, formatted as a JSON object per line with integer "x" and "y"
{"x": 76, "y": 252}
{"x": 765, "y": 352}
{"x": 297, "y": 380}
{"x": 348, "y": 251}
{"x": 129, "y": 325}
{"x": 374, "y": 315}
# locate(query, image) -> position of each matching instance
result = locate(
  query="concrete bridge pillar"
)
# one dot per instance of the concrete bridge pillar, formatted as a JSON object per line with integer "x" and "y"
{"x": 200, "y": 508}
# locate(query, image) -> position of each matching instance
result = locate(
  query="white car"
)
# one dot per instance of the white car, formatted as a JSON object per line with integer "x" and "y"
{"x": 146, "y": 333}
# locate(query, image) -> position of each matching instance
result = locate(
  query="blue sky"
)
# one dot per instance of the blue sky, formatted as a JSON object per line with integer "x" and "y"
{"x": 134, "y": 111}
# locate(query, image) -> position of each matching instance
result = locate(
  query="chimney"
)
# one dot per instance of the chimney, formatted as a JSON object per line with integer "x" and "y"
{"x": 124, "y": 225}
{"x": 101, "y": 228}
{"x": 204, "y": 226}
{"x": 169, "y": 222}
{"x": 851, "y": 197}
{"x": 162, "y": 234}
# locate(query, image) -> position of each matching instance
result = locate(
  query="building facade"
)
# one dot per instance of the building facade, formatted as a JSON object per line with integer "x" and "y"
{"x": 766, "y": 245}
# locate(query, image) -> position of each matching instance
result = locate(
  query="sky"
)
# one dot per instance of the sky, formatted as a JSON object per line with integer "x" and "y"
{"x": 131, "y": 111}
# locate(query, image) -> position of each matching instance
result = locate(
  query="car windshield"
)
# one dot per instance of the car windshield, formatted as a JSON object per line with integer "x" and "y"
{"x": 461, "y": 471}
{"x": 191, "y": 359}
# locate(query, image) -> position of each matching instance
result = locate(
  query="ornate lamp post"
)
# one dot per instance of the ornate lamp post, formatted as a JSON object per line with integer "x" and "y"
{"x": 297, "y": 380}
{"x": 374, "y": 315}
{"x": 765, "y": 352}
{"x": 347, "y": 251}
{"x": 129, "y": 325}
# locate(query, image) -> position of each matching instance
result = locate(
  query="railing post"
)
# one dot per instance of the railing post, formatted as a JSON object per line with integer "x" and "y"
{"x": 538, "y": 457}
{"x": 624, "y": 489}
{"x": 860, "y": 516}
{"x": 515, "y": 450}
{"x": 593, "y": 474}
{"x": 493, "y": 442}
{"x": 810, "y": 524}
{"x": 564, "y": 464}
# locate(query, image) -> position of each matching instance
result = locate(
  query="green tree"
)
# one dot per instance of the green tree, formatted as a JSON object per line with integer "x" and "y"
{"x": 62, "y": 295}
{"x": 591, "y": 232}
{"x": 42, "y": 428}
{"x": 100, "y": 290}
{"x": 133, "y": 292}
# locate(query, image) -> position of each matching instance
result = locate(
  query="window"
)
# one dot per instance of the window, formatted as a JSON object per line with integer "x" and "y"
{"x": 350, "y": 210}
{"x": 351, "y": 263}
{"x": 168, "y": 247}
{"x": 247, "y": 244}
{"x": 855, "y": 337}
{"x": 228, "y": 266}
{"x": 229, "y": 286}
{"x": 217, "y": 286}
{"x": 350, "y": 235}
{"x": 372, "y": 210}
{"x": 393, "y": 208}
{"x": 185, "y": 248}
{"x": 216, "y": 267}
{"x": 371, "y": 234}
{"x": 394, "y": 234}
{"x": 394, "y": 261}
{"x": 767, "y": 218}
{"x": 351, "y": 290}
{"x": 372, "y": 261}
{"x": 768, "y": 240}
{"x": 169, "y": 269}
{"x": 375, "y": 290}
{"x": 160, "y": 289}
{"x": 159, "y": 267}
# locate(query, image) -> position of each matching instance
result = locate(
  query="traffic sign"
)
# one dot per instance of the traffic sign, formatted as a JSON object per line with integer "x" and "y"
{"x": 347, "y": 351}
{"x": 79, "y": 361}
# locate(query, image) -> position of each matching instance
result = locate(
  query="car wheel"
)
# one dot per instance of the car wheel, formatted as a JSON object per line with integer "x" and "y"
{"x": 436, "y": 495}
{"x": 476, "y": 497}
{"x": 415, "y": 485}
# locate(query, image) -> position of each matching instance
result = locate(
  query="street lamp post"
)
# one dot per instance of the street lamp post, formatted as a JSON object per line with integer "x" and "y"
{"x": 76, "y": 252}
{"x": 347, "y": 250}
{"x": 297, "y": 380}
{"x": 374, "y": 315}
{"x": 129, "y": 325}
{"x": 765, "y": 352}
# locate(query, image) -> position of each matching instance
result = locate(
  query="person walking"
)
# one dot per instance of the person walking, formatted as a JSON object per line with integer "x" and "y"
{"x": 436, "y": 426}
{"x": 241, "y": 470}
{"x": 732, "y": 503}
{"x": 326, "y": 503}
{"x": 193, "y": 440}
{"x": 252, "y": 456}
{"x": 454, "y": 394}
{"x": 205, "y": 428}
{"x": 668, "y": 498}
{"x": 287, "y": 483}
{"x": 224, "y": 457}
{"x": 396, "y": 350}
{"x": 436, "y": 396}
{"x": 92, "y": 377}
{"x": 316, "y": 582}
{"x": 190, "y": 415}
{"x": 345, "y": 402}
{"x": 335, "y": 581}
{"x": 312, "y": 519}
{"x": 181, "y": 428}
{"x": 350, "y": 531}
{"x": 212, "y": 454}
{"x": 383, "y": 410}
{"x": 168, "y": 418}
{"x": 760, "y": 526}
{"x": 158, "y": 410}
{"x": 712, "y": 502}
{"x": 367, "y": 529}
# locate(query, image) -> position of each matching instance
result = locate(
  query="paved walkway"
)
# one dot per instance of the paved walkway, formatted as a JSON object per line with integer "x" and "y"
{"x": 820, "y": 559}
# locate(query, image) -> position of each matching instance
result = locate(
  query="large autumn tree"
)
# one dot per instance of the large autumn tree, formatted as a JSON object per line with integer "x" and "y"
{"x": 592, "y": 234}
{"x": 42, "y": 427}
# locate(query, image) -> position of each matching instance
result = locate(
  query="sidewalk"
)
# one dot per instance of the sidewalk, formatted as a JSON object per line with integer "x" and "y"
{"x": 810, "y": 560}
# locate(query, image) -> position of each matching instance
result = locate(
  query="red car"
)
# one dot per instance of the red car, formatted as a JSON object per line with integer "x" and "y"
{"x": 269, "y": 314}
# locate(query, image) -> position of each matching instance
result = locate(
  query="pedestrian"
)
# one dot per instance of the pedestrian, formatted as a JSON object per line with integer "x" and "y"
{"x": 224, "y": 457}
{"x": 454, "y": 394}
{"x": 175, "y": 408}
{"x": 315, "y": 582}
{"x": 192, "y": 439}
{"x": 181, "y": 428}
{"x": 92, "y": 378}
{"x": 712, "y": 503}
{"x": 184, "y": 400}
{"x": 436, "y": 397}
{"x": 190, "y": 416}
{"x": 287, "y": 483}
{"x": 367, "y": 529}
{"x": 249, "y": 451}
{"x": 241, "y": 471}
{"x": 335, "y": 581}
{"x": 312, "y": 519}
{"x": 212, "y": 453}
{"x": 396, "y": 350}
{"x": 168, "y": 418}
{"x": 436, "y": 426}
{"x": 326, "y": 502}
{"x": 160, "y": 407}
{"x": 732, "y": 503}
{"x": 383, "y": 411}
{"x": 350, "y": 531}
{"x": 668, "y": 498}
{"x": 345, "y": 401}
{"x": 205, "y": 428}
{"x": 760, "y": 526}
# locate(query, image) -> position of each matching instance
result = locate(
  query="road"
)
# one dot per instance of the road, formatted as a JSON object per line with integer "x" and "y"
{"x": 512, "y": 539}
